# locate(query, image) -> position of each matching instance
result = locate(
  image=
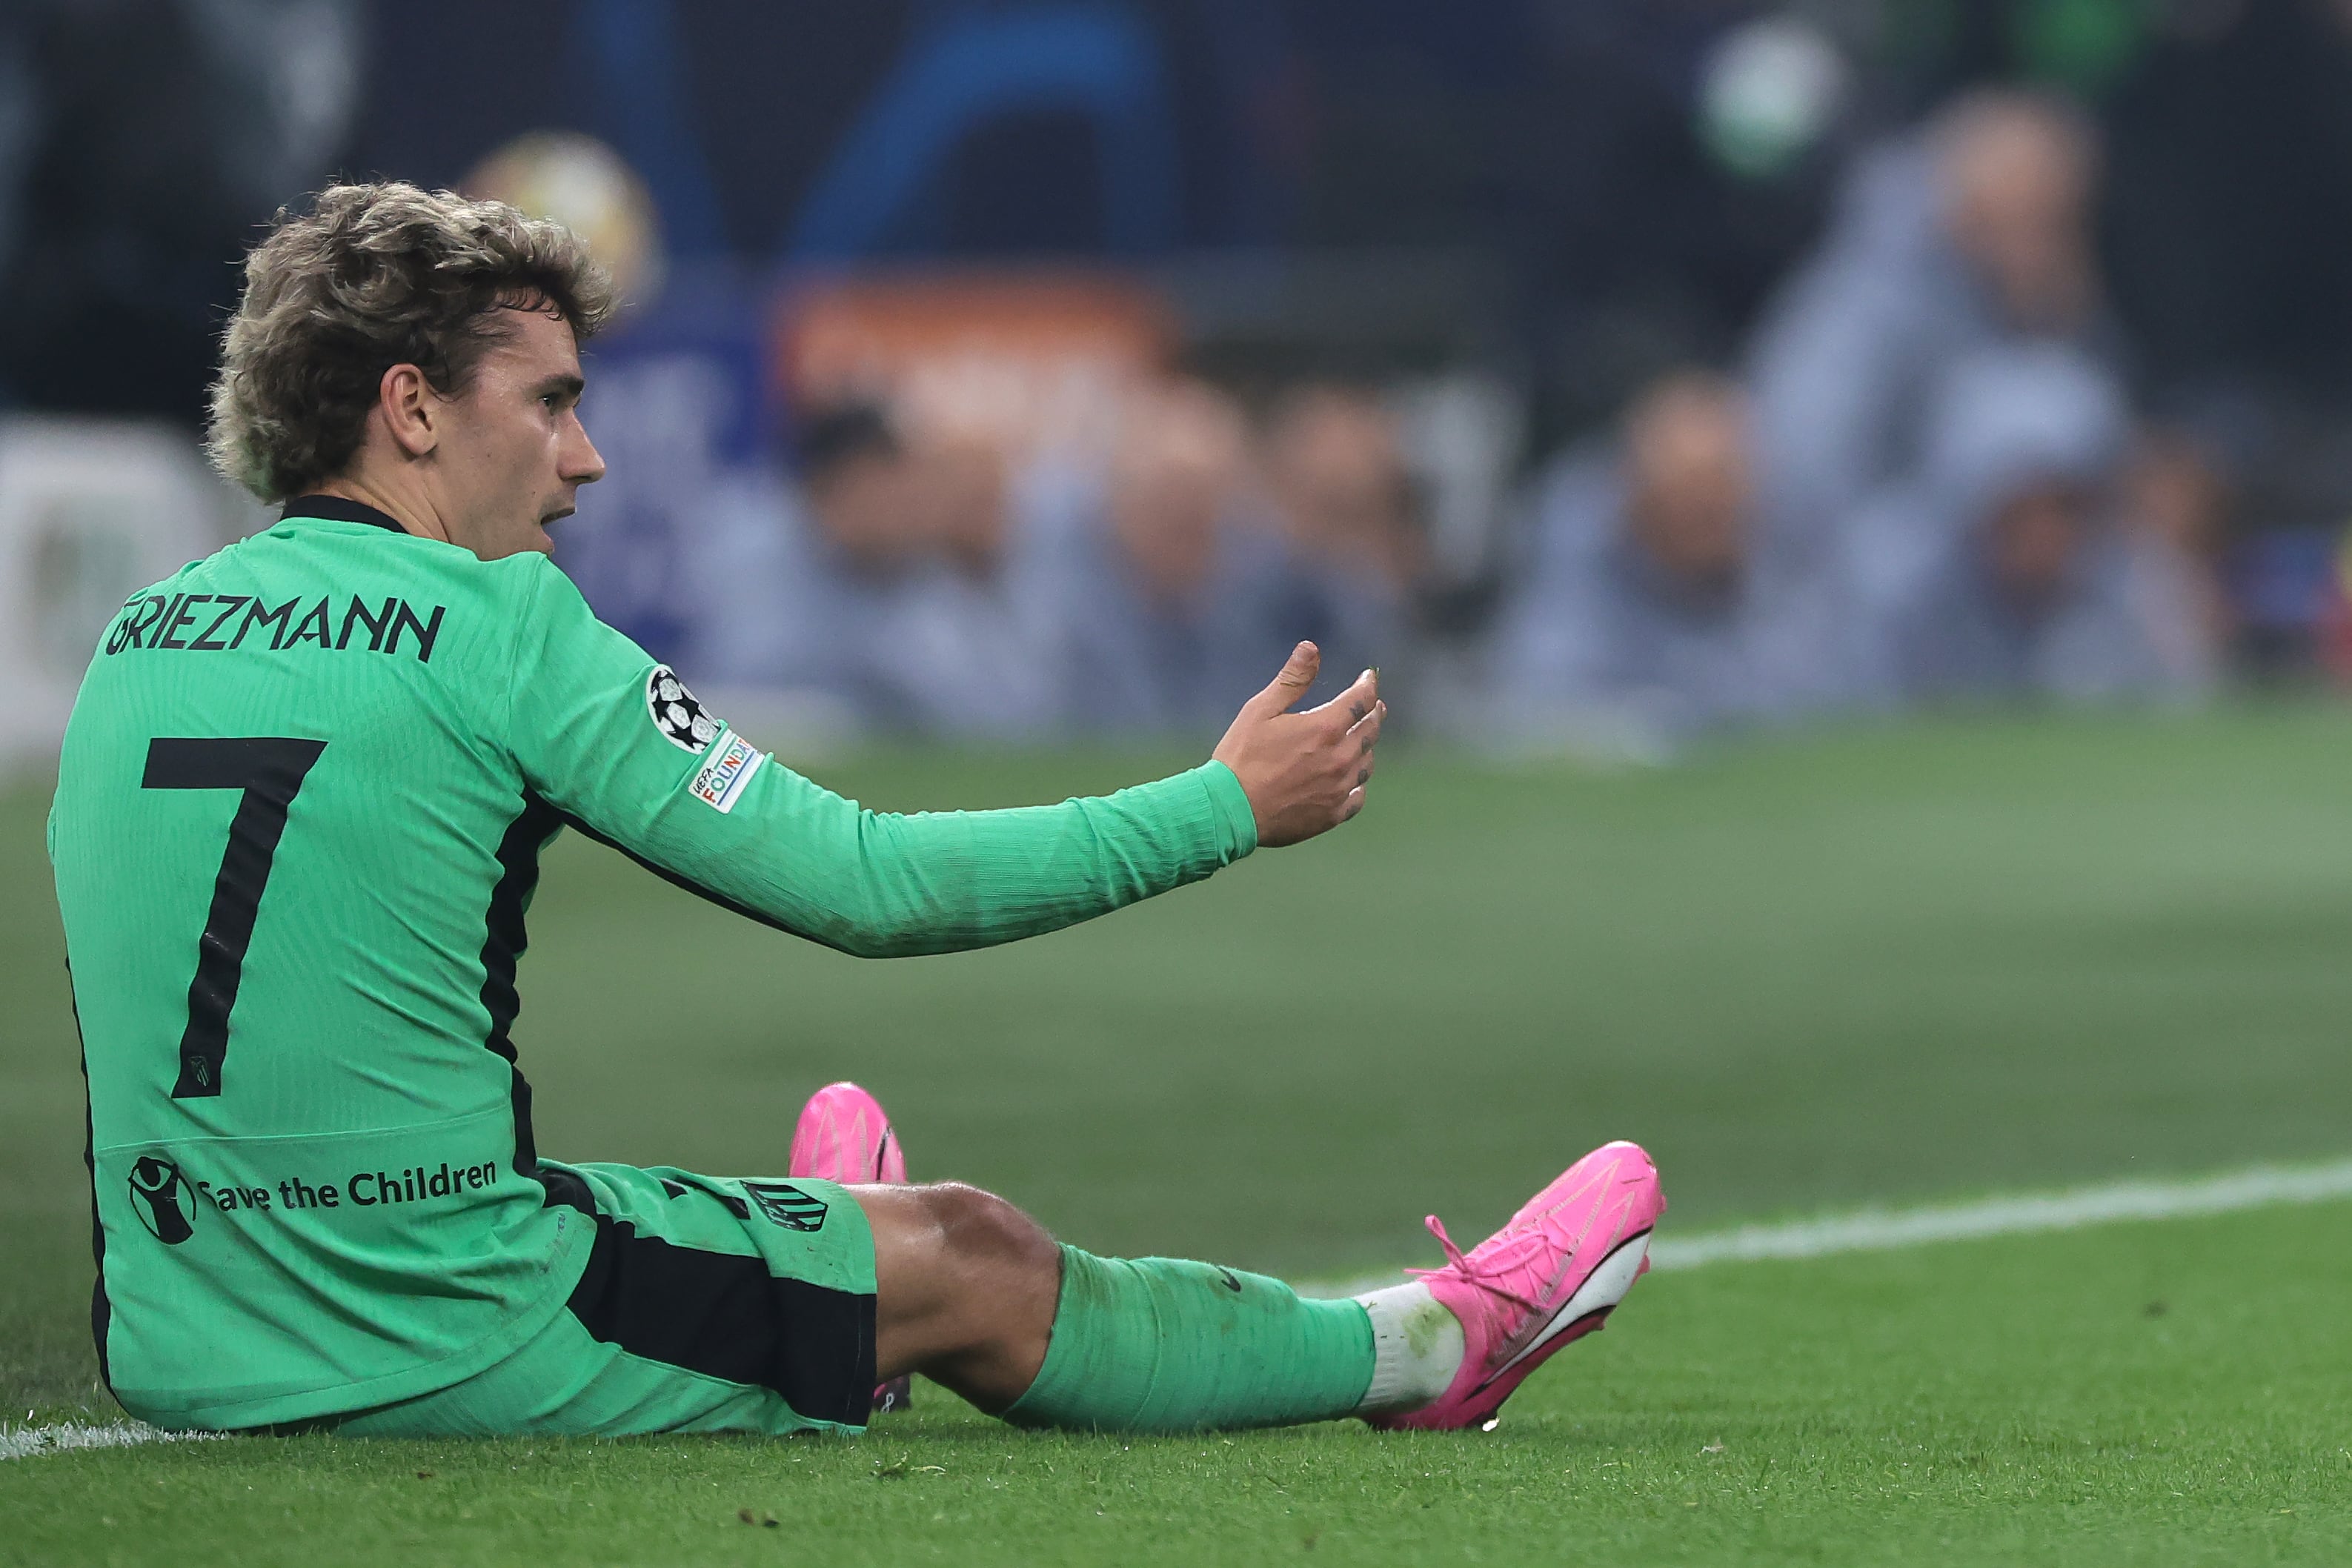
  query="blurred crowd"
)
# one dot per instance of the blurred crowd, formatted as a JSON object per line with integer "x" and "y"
{"x": 1924, "y": 482}
{"x": 931, "y": 583}
{"x": 1611, "y": 374}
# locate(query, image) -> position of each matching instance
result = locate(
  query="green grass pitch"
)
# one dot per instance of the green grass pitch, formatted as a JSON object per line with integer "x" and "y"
{"x": 1881, "y": 965}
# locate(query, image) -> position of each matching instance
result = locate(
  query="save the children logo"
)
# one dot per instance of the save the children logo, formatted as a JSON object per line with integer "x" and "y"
{"x": 159, "y": 1196}
{"x": 166, "y": 1198}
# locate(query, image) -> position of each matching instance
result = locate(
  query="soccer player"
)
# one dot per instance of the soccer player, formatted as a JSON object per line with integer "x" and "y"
{"x": 298, "y": 823}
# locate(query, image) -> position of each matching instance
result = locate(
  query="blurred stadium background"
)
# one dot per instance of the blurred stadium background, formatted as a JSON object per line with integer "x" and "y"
{"x": 1613, "y": 376}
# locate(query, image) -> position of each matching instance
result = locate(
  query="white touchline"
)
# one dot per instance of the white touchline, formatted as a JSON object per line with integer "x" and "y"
{"x": 1884, "y": 1230}
{"x": 1866, "y": 1230}
{"x": 1881, "y": 1230}
{"x": 21, "y": 1442}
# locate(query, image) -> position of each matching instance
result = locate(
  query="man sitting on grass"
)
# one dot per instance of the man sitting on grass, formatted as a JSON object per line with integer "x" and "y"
{"x": 298, "y": 822}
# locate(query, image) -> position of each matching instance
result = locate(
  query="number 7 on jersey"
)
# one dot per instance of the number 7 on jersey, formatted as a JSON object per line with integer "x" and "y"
{"x": 270, "y": 770}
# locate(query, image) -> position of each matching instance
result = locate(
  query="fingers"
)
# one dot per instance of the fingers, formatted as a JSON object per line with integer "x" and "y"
{"x": 1360, "y": 759}
{"x": 1304, "y": 772}
{"x": 1351, "y": 706}
{"x": 1298, "y": 675}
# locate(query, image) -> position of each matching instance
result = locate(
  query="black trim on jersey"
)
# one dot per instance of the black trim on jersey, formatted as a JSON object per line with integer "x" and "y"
{"x": 101, "y": 1311}
{"x": 727, "y": 1317}
{"x": 339, "y": 509}
{"x": 503, "y": 940}
{"x": 679, "y": 879}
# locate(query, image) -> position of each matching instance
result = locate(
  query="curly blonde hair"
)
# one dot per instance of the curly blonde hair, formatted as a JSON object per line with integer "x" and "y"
{"x": 375, "y": 276}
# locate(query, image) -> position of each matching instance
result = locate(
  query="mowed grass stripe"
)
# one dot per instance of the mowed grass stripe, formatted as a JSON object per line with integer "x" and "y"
{"x": 1974, "y": 957}
{"x": 2164, "y": 1393}
{"x": 1827, "y": 1236}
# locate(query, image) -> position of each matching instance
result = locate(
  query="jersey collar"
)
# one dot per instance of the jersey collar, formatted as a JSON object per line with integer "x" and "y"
{"x": 339, "y": 509}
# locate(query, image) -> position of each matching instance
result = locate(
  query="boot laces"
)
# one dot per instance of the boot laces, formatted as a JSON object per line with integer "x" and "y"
{"x": 1487, "y": 1274}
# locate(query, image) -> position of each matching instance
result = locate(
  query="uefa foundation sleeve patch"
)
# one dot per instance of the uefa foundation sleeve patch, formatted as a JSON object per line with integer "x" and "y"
{"x": 718, "y": 782}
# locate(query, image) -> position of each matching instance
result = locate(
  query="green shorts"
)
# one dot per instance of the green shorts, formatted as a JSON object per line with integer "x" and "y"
{"x": 709, "y": 1304}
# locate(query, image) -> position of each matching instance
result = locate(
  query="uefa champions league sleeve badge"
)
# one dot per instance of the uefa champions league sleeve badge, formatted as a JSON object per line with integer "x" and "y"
{"x": 682, "y": 721}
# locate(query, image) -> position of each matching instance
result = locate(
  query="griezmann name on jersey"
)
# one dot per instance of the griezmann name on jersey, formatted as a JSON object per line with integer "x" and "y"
{"x": 299, "y": 817}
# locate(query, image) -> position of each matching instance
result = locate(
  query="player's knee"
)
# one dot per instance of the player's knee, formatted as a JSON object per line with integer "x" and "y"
{"x": 982, "y": 1227}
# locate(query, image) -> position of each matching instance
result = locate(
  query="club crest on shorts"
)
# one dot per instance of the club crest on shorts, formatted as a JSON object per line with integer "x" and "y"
{"x": 682, "y": 721}
{"x": 160, "y": 1197}
{"x": 787, "y": 1205}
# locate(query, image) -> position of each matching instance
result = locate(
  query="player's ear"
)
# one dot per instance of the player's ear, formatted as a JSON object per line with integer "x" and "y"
{"x": 404, "y": 399}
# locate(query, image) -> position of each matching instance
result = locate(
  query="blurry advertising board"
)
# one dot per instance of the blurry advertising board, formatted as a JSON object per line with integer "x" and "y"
{"x": 90, "y": 511}
{"x": 1028, "y": 362}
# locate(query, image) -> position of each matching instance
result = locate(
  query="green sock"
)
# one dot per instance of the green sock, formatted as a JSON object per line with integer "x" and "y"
{"x": 1155, "y": 1344}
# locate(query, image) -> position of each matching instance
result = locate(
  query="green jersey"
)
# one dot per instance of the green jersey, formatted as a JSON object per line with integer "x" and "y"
{"x": 298, "y": 822}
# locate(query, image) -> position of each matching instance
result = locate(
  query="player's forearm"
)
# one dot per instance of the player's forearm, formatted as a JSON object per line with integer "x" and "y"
{"x": 879, "y": 885}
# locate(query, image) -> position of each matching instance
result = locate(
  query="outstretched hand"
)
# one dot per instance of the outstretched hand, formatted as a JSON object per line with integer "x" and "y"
{"x": 1303, "y": 773}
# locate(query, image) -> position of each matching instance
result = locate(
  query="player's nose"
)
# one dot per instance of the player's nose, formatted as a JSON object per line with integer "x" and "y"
{"x": 584, "y": 465}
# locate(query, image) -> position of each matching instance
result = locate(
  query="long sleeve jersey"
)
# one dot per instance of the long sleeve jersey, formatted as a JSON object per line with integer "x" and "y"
{"x": 298, "y": 823}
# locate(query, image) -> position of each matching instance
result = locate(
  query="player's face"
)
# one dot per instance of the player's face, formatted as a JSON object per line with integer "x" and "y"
{"x": 514, "y": 454}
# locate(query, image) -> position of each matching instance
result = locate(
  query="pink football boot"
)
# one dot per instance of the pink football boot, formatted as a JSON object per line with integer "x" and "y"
{"x": 844, "y": 1135}
{"x": 1548, "y": 1278}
